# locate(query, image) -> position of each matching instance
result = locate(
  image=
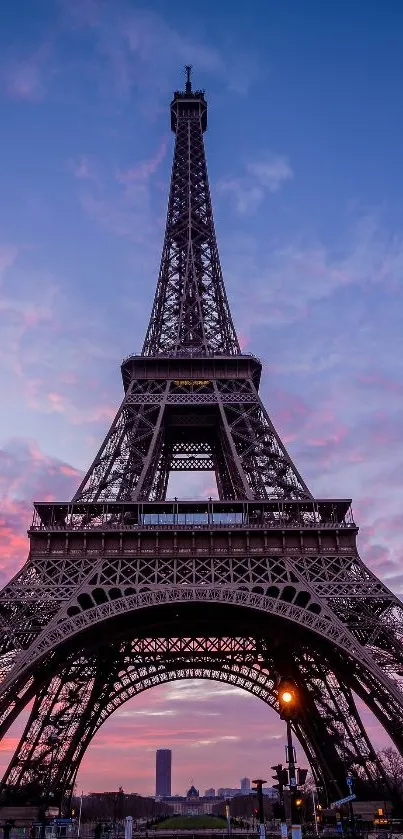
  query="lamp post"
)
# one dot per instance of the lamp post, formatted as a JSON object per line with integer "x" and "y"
{"x": 228, "y": 815}
{"x": 289, "y": 701}
{"x": 79, "y": 815}
{"x": 349, "y": 782}
{"x": 315, "y": 817}
{"x": 281, "y": 777}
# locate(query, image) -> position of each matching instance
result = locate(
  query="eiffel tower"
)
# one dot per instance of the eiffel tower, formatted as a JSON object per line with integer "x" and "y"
{"x": 124, "y": 589}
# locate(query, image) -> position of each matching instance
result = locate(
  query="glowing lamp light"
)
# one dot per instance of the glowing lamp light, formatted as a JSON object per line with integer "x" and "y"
{"x": 287, "y": 696}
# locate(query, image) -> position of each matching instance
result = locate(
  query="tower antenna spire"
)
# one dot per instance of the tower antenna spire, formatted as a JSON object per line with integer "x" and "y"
{"x": 188, "y": 87}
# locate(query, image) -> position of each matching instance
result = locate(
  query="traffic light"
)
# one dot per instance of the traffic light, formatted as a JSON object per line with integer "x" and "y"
{"x": 258, "y": 784}
{"x": 281, "y": 777}
{"x": 301, "y": 776}
{"x": 288, "y": 698}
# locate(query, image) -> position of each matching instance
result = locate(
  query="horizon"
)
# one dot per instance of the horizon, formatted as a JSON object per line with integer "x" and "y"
{"x": 303, "y": 155}
{"x": 192, "y": 783}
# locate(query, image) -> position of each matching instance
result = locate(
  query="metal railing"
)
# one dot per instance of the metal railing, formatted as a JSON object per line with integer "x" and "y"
{"x": 193, "y": 515}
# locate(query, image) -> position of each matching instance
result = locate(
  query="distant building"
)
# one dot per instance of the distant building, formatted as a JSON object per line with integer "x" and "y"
{"x": 231, "y": 792}
{"x": 163, "y": 769}
{"x": 192, "y": 804}
{"x": 270, "y": 792}
{"x": 210, "y": 793}
{"x": 228, "y": 792}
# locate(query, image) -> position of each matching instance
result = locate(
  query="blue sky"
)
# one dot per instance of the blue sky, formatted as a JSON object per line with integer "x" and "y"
{"x": 305, "y": 165}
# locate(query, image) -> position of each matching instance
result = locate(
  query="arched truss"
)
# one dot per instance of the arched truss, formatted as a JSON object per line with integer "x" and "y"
{"x": 297, "y": 606}
{"x": 71, "y": 706}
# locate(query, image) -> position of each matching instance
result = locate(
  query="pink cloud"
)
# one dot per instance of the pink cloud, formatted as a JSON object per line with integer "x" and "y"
{"x": 8, "y": 744}
{"x": 244, "y": 341}
{"x": 83, "y": 168}
{"x": 101, "y": 413}
{"x": 56, "y": 400}
{"x": 78, "y": 407}
{"x": 289, "y": 413}
{"x": 25, "y": 78}
{"x": 143, "y": 170}
{"x": 69, "y": 471}
{"x": 380, "y": 382}
{"x": 331, "y": 439}
{"x": 27, "y": 473}
{"x": 8, "y": 255}
{"x": 13, "y": 545}
{"x": 68, "y": 378}
{"x": 314, "y": 264}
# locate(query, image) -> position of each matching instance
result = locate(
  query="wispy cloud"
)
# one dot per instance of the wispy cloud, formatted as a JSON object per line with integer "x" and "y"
{"x": 83, "y": 168}
{"x": 35, "y": 315}
{"x": 143, "y": 170}
{"x": 26, "y": 77}
{"x": 195, "y": 690}
{"x": 8, "y": 255}
{"x": 213, "y": 741}
{"x": 123, "y": 202}
{"x": 286, "y": 279}
{"x": 129, "y": 50}
{"x": 262, "y": 176}
{"x": 139, "y": 49}
{"x": 142, "y": 50}
{"x": 148, "y": 712}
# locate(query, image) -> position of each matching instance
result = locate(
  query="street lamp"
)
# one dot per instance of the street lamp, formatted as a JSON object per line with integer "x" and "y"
{"x": 228, "y": 816}
{"x": 316, "y": 807}
{"x": 281, "y": 777}
{"x": 289, "y": 705}
{"x": 288, "y": 699}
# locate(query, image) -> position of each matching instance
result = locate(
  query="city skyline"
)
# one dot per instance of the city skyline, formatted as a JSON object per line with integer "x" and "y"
{"x": 309, "y": 221}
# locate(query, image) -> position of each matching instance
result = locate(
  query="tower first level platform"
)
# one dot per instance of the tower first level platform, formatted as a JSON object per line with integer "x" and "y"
{"x": 211, "y": 543}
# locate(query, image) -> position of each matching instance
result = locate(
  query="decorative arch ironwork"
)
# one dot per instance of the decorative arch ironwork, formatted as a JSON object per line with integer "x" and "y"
{"x": 73, "y": 705}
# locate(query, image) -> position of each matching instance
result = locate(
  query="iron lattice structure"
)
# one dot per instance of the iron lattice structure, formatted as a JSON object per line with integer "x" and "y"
{"x": 124, "y": 589}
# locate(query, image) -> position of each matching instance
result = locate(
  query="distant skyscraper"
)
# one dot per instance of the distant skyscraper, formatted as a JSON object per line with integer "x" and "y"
{"x": 210, "y": 793}
{"x": 245, "y": 784}
{"x": 163, "y": 765}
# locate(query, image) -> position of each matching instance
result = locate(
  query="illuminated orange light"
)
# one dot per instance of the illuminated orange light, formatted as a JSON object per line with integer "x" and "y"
{"x": 287, "y": 696}
{"x": 191, "y": 382}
